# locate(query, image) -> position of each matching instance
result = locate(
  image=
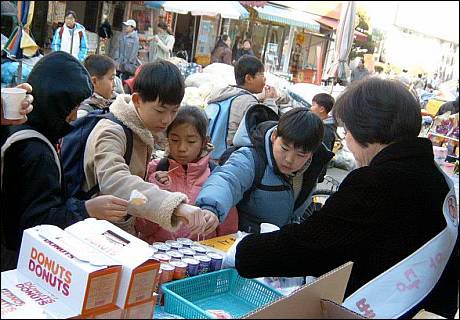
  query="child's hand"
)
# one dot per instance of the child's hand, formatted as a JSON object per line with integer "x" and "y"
{"x": 26, "y": 107}
{"x": 108, "y": 208}
{"x": 212, "y": 222}
{"x": 192, "y": 216}
{"x": 162, "y": 177}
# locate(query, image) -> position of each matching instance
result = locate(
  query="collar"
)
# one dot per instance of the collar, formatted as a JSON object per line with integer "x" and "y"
{"x": 420, "y": 148}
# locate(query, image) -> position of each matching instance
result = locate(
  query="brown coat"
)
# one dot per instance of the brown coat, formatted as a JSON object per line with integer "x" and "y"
{"x": 222, "y": 54}
{"x": 104, "y": 163}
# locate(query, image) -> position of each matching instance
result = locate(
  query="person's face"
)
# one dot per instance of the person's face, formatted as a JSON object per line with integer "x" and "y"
{"x": 104, "y": 85}
{"x": 128, "y": 29}
{"x": 155, "y": 115}
{"x": 317, "y": 109}
{"x": 288, "y": 158}
{"x": 361, "y": 64}
{"x": 185, "y": 143}
{"x": 246, "y": 45}
{"x": 70, "y": 21}
{"x": 256, "y": 83}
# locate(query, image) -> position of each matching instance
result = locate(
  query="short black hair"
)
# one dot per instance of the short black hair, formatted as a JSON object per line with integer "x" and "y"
{"x": 302, "y": 128}
{"x": 191, "y": 115}
{"x": 247, "y": 65}
{"x": 160, "y": 80}
{"x": 98, "y": 65}
{"x": 71, "y": 12}
{"x": 324, "y": 100}
{"x": 247, "y": 40}
{"x": 163, "y": 25}
{"x": 378, "y": 111}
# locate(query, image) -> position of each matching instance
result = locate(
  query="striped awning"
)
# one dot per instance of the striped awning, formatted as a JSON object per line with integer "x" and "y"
{"x": 226, "y": 9}
{"x": 288, "y": 16}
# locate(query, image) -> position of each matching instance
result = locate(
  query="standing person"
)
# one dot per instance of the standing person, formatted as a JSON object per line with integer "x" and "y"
{"x": 125, "y": 54}
{"x": 162, "y": 44}
{"x": 235, "y": 48}
{"x": 419, "y": 83}
{"x": 32, "y": 178}
{"x": 434, "y": 81}
{"x": 359, "y": 72}
{"x": 185, "y": 169}
{"x": 102, "y": 71}
{"x": 71, "y": 37}
{"x": 157, "y": 93}
{"x": 105, "y": 34}
{"x": 383, "y": 211}
{"x": 322, "y": 104}
{"x": 245, "y": 50}
{"x": 222, "y": 52}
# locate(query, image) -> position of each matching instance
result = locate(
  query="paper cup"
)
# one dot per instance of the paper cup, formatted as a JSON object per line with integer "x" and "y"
{"x": 12, "y": 99}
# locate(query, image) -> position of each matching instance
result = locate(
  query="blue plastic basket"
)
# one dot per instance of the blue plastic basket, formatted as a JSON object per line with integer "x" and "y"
{"x": 221, "y": 290}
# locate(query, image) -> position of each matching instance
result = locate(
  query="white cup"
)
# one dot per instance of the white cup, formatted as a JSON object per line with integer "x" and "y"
{"x": 12, "y": 99}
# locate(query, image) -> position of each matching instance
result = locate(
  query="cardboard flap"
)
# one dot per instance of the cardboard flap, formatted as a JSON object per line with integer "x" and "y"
{"x": 331, "y": 310}
{"x": 304, "y": 303}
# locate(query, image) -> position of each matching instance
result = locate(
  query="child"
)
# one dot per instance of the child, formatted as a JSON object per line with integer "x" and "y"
{"x": 294, "y": 157}
{"x": 158, "y": 91}
{"x": 102, "y": 70}
{"x": 187, "y": 170}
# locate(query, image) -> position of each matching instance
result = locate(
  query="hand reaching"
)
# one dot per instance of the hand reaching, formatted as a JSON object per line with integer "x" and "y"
{"x": 107, "y": 207}
{"x": 192, "y": 216}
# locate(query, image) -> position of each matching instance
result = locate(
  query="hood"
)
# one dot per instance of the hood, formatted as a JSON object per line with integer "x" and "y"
{"x": 225, "y": 93}
{"x": 57, "y": 93}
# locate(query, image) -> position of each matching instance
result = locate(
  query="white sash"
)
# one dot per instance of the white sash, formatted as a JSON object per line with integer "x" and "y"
{"x": 400, "y": 288}
{"x": 27, "y": 134}
{"x": 68, "y": 42}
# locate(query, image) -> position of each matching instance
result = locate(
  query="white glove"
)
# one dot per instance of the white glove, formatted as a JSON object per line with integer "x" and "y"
{"x": 229, "y": 258}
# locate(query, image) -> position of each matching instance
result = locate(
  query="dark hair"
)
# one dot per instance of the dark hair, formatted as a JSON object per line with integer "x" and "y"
{"x": 98, "y": 65}
{"x": 163, "y": 25}
{"x": 247, "y": 40}
{"x": 160, "y": 79}
{"x": 247, "y": 65}
{"x": 71, "y": 12}
{"x": 302, "y": 128}
{"x": 324, "y": 100}
{"x": 379, "y": 111}
{"x": 191, "y": 115}
{"x": 220, "y": 43}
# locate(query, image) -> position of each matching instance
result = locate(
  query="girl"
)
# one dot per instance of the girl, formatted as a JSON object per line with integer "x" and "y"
{"x": 185, "y": 170}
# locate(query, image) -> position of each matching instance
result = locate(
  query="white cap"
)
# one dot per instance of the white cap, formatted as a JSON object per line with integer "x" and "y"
{"x": 130, "y": 22}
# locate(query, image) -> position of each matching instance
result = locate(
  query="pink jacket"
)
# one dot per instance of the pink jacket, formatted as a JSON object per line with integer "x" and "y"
{"x": 189, "y": 182}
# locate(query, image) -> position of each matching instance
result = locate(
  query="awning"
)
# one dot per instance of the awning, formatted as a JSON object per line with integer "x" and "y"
{"x": 333, "y": 23}
{"x": 227, "y": 9}
{"x": 288, "y": 16}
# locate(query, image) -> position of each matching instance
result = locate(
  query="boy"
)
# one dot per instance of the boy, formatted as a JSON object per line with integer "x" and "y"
{"x": 71, "y": 37}
{"x": 158, "y": 92}
{"x": 250, "y": 80}
{"x": 294, "y": 157}
{"x": 322, "y": 104}
{"x": 102, "y": 71}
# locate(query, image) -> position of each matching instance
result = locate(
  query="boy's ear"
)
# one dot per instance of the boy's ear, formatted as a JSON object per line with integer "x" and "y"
{"x": 248, "y": 78}
{"x": 94, "y": 80}
{"x": 135, "y": 98}
{"x": 274, "y": 136}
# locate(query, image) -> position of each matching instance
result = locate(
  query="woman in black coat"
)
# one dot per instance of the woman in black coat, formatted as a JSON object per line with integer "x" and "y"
{"x": 383, "y": 211}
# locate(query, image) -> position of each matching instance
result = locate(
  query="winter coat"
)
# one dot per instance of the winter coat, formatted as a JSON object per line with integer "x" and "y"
{"x": 188, "y": 181}
{"x": 381, "y": 214}
{"x": 239, "y": 106}
{"x": 226, "y": 186}
{"x": 32, "y": 193}
{"x": 93, "y": 103}
{"x": 161, "y": 49}
{"x": 78, "y": 29}
{"x": 358, "y": 74}
{"x": 126, "y": 51}
{"x": 222, "y": 54}
{"x": 104, "y": 164}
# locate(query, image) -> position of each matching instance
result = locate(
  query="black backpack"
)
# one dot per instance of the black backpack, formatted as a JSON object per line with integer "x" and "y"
{"x": 163, "y": 165}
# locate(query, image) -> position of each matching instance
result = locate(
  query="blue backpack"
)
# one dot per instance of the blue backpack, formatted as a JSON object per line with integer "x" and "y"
{"x": 218, "y": 116}
{"x": 73, "y": 152}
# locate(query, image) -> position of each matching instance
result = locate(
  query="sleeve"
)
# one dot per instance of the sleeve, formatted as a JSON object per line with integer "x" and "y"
{"x": 39, "y": 205}
{"x": 324, "y": 241}
{"x": 239, "y": 107}
{"x": 134, "y": 53}
{"x": 115, "y": 178}
{"x": 83, "y": 46}
{"x": 56, "y": 43}
{"x": 227, "y": 184}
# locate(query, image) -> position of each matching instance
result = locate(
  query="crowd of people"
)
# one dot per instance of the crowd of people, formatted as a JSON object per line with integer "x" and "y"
{"x": 384, "y": 210}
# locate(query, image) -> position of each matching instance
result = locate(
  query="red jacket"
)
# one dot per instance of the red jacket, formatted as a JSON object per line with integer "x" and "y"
{"x": 188, "y": 182}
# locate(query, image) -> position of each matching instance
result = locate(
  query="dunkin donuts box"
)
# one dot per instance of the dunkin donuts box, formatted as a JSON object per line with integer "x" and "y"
{"x": 143, "y": 310}
{"x": 79, "y": 276}
{"x": 139, "y": 270}
{"x": 24, "y": 299}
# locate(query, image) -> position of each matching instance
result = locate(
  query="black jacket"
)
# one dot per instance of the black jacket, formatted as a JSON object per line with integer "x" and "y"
{"x": 381, "y": 214}
{"x": 31, "y": 194}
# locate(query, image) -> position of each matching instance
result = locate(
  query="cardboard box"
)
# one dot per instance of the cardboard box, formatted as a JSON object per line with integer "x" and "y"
{"x": 79, "y": 276}
{"x": 320, "y": 299}
{"x": 24, "y": 299}
{"x": 141, "y": 311}
{"x": 423, "y": 314}
{"x": 106, "y": 313}
{"x": 139, "y": 272}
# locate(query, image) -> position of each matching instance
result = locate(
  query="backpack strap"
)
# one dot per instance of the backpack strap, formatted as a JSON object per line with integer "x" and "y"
{"x": 163, "y": 165}
{"x": 129, "y": 148}
{"x": 28, "y": 134}
{"x": 61, "y": 31}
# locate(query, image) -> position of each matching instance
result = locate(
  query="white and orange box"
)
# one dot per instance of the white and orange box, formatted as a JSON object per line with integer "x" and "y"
{"x": 79, "y": 276}
{"x": 139, "y": 272}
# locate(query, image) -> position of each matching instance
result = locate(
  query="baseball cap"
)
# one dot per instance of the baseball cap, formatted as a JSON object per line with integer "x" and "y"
{"x": 130, "y": 22}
